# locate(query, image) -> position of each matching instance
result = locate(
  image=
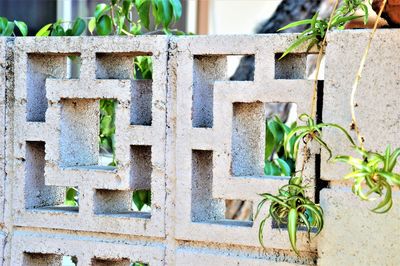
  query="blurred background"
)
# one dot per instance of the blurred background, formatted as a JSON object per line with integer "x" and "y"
{"x": 199, "y": 16}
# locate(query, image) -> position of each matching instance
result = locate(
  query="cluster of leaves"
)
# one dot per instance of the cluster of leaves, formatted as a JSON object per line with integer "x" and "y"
{"x": 277, "y": 161}
{"x": 291, "y": 207}
{"x": 309, "y": 132}
{"x": 118, "y": 16}
{"x": 7, "y": 27}
{"x": 315, "y": 34}
{"x": 374, "y": 173}
{"x": 58, "y": 28}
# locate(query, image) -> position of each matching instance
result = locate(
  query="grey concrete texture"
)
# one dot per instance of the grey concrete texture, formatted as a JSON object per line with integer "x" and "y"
{"x": 222, "y": 123}
{"x": 3, "y": 66}
{"x": 190, "y": 135}
{"x": 353, "y": 235}
{"x": 376, "y": 98}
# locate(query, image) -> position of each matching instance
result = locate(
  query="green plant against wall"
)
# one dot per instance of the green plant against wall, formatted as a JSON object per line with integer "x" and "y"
{"x": 316, "y": 33}
{"x": 117, "y": 18}
{"x": 373, "y": 174}
{"x": 7, "y": 28}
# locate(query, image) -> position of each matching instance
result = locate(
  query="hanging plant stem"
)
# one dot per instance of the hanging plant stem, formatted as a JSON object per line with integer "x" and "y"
{"x": 358, "y": 77}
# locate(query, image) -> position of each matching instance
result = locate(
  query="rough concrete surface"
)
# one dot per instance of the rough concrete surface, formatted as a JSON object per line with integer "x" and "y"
{"x": 190, "y": 135}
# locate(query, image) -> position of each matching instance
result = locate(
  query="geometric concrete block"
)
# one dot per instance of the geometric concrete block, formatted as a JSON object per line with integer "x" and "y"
{"x": 56, "y": 140}
{"x": 220, "y": 129}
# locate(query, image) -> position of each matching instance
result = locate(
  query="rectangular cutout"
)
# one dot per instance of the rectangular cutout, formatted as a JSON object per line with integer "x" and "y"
{"x": 141, "y": 167}
{"x": 39, "y": 68}
{"x": 117, "y": 203}
{"x": 206, "y": 70}
{"x": 79, "y": 141}
{"x": 292, "y": 66}
{"x": 280, "y": 117}
{"x": 239, "y": 210}
{"x": 124, "y": 66}
{"x": 141, "y": 102}
{"x": 36, "y": 259}
{"x": 241, "y": 67}
{"x": 116, "y": 262}
{"x": 37, "y": 194}
{"x": 107, "y": 132}
{"x": 204, "y": 207}
{"x": 250, "y": 136}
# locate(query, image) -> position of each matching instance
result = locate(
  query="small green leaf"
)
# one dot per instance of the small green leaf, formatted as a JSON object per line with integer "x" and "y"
{"x": 23, "y": 28}
{"x": 292, "y": 228}
{"x": 296, "y": 24}
{"x": 270, "y": 169}
{"x": 101, "y": 9}
{"x": 104, "y": 26}
{"x": 44, "y": 31}
{"x": 176, "y": 8}
{"x": 8, "y": 31}
{"x": 284, "y": 167}
{"x": 79, "y": 27}
{"x": 92, "y": 25}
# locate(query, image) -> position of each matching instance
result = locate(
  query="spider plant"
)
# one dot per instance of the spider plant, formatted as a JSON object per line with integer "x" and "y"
{"x": 292, "y": 208}
{"x": 315, "y": 34}
{"x": 310, "y": 131}
{"x": 373, "y": 176}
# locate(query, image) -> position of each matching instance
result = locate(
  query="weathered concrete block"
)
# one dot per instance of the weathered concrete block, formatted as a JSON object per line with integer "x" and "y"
{"x": 353, "y": 235}
{"x": 376, "y": 98}
{"x": 3, "y": 65}
{"x": 56, "y": 141}
{"x": 29, "y": 248}
{"x": 220, "y": 135}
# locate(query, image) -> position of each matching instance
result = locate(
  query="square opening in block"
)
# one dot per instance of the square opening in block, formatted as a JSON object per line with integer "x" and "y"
{"x": 119, "y": 203}
{"x": 134, "y": 66}
{"x": 239, "y": 210}
{"x": 35, "y": 259}
{"x": 257, "y": 138}
{"x": 116, "y": 262}
{"x": 39, "y": 196}
{"x": 39, "y": 68}
{"x": 206, "y": 70}
{"x": 292, "y": 66}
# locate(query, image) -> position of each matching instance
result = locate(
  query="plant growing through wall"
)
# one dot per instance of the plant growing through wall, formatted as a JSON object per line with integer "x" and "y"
{"x": 118, "y": 18}
{"x": 373, "y": 174}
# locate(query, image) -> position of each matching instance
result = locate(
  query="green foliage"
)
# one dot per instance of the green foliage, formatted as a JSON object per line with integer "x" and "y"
{"x": 315, "y": 34}
{"x": 58, "y": 28}
{"x": 71, "y": 197}
{"x": 7, "y": 27}
{"x": 143, "y": 67}
{"x": 292, "y": 208}
{"x": 107, "y": 128}
{"x": 117, "y": 17}
{"x": 308, "y": 132}
{"x": 277, "y": 162}
{"x": 141, "y": 198}
{"x": 373, "y": 175}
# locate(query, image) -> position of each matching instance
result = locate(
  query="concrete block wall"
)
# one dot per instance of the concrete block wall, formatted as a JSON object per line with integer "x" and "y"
{"x": 192, "y": 136}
